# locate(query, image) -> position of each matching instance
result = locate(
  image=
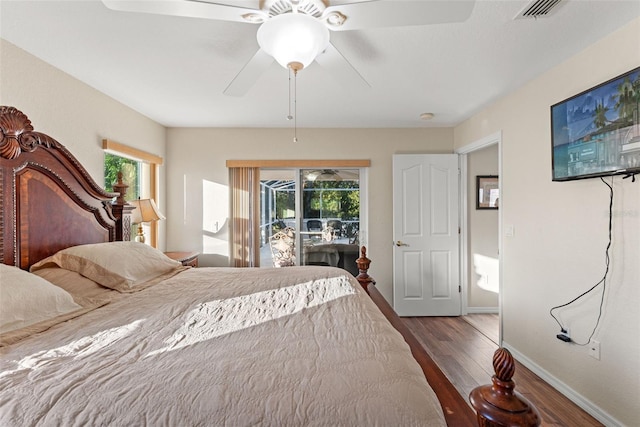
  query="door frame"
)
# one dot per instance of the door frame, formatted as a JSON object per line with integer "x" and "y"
{"x": 495, "y": 138}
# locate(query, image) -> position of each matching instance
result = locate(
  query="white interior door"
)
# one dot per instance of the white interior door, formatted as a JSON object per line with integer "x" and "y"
{"x": 426, "y": 266}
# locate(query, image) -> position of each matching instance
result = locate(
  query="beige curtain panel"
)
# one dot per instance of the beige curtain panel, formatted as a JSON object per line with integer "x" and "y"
{"x": 244, "y": 183}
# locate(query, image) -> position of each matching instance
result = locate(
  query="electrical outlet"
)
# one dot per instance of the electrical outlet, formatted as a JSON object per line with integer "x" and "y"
{"x": 594, "y": 349}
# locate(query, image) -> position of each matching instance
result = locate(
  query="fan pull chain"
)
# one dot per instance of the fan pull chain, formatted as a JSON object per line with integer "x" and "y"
{"x": 295, "y": 67}
{"x": 289, "y": 116}
{"x": 295, "y": 105}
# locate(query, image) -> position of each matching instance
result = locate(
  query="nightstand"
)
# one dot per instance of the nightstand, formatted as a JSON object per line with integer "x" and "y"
{"x": 189, "y": 259}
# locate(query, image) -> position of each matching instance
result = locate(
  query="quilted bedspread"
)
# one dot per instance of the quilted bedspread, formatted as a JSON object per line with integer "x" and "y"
{"x": 301, "y": 346}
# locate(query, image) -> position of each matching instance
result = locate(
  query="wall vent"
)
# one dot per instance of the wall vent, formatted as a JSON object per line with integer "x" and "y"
{"x": 538, "y": 9}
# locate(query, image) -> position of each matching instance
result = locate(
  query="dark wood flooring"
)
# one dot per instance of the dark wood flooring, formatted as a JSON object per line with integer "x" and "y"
{"x": 465, "y": 355}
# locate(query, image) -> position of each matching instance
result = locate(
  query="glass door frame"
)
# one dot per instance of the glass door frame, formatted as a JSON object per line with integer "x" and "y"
{"x": 298, "y": 200}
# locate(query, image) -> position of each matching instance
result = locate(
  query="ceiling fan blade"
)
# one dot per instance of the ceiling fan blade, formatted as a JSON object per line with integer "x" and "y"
{"x": 187, "y": 8}
{"x": 249, "y": 74}
{"x": 400, "y": 13}
{"x": 332, "y": 60}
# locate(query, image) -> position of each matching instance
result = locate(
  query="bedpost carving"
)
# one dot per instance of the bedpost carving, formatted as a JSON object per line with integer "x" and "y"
{"x": 120, "y": 188}
{"x": 363, "y": 266}
{"x": 17, "y": 135}
{"x": 122, "y": 211}
{"x": 499, "y": 404}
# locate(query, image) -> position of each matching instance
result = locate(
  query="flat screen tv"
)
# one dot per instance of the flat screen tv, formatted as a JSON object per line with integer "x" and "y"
{"x": 597, "y": 132}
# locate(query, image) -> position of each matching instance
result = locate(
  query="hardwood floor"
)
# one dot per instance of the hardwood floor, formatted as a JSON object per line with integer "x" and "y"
{"x": 465, "y": 356}
{"x": 486, "y": 324}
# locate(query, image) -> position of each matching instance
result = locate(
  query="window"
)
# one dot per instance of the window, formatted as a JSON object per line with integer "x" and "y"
{"x": 139, "y": 171}
{"x": 131, "y": 170}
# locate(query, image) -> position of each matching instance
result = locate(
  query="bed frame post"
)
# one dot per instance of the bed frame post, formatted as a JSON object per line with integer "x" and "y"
{"x": 363, "y": 266}
{"x": 121, "y": 211}
{"x": 499, "y": 405}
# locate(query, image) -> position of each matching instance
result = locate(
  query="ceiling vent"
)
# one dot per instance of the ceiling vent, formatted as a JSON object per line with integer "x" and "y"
{"x": 538, "y": 9}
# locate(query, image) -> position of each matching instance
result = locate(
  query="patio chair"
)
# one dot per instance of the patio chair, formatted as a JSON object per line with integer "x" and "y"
{"x": 283, "y": 249}
{"x": 314, "y": 225}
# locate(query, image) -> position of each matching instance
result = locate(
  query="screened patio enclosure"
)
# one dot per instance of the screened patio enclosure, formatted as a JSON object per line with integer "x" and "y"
{"x": 320, "y": 211}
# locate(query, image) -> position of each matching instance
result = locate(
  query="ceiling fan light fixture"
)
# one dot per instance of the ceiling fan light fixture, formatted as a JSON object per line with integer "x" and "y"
{"x": 293, "y": 37}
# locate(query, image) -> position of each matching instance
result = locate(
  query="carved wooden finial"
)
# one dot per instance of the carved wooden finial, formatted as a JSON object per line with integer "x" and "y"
{"x": 17, "y": 135}
{"x": 120, "y": 188}
{"x": 503, "y": 364}
{"x": 499, "y": 404}
{"x": 363, "y": 266}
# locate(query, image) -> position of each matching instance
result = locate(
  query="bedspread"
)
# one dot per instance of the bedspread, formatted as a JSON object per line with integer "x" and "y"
{"x": 301, "y": 346}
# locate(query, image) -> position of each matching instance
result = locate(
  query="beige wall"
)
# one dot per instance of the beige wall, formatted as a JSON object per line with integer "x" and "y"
{"x": 483, "y": 272}
{"x": 558, "y": 249}
{"x": 74, "y": 113}
{"x": 199, "y": 155}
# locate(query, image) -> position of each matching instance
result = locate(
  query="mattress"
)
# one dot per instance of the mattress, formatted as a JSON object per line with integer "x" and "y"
{"x": 300, "y": 346}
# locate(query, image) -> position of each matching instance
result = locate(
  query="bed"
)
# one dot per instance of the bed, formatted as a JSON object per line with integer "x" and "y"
{"x": 134, "y": 338}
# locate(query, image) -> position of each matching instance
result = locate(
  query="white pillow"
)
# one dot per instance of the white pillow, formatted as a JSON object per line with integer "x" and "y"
{"x": 124, "y": 266}
{"x": 26, "y": 299}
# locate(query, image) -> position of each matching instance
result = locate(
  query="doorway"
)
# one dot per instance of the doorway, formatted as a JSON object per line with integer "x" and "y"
{"x": 481, "y": 242}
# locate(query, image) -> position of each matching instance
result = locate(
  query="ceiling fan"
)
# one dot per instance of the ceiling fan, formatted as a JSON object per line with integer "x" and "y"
{"x": 276, "y": 19}
{"x": 331, "y": 175}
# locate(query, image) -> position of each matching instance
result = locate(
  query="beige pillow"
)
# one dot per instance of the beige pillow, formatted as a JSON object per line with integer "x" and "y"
{"x": 76, "y": 284}
{"x": 26, "y": 299}
{"x": 30, "y": 304}
{"x": 124, "y": 266}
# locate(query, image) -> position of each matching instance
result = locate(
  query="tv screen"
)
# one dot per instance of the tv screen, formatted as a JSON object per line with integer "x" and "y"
{"x": 597, "y": 132}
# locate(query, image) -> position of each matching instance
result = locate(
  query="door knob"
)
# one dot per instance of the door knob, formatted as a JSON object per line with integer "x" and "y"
{"x": 400, "y": 243}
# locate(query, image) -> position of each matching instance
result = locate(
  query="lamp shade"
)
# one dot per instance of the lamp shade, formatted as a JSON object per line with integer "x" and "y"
{"x": 145, "y": 211}
{"x": 293, "y": 37}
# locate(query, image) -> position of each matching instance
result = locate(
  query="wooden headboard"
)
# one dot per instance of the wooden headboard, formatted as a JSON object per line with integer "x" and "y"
{"x": 48, "y": 201}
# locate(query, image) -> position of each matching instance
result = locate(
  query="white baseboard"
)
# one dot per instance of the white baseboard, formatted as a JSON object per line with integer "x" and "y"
{"x": 482, "y": 310}
{"x": 567, "y": 391}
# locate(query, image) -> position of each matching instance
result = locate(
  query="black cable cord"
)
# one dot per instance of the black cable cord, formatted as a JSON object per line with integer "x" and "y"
{"x": 602, "y": 281}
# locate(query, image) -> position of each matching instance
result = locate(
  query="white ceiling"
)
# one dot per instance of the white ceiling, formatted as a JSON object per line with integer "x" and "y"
{"x": 174, "y": 69}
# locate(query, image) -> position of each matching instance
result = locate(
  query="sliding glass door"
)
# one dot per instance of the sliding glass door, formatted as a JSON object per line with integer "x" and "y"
{"x": 318, "y": 211}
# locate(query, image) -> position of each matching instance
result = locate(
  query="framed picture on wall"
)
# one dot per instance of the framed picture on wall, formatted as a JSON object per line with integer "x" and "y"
{"x": 487, "y": 192}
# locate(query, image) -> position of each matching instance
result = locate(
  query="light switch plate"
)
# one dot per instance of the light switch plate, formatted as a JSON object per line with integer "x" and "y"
{"x": 509, "y": 230}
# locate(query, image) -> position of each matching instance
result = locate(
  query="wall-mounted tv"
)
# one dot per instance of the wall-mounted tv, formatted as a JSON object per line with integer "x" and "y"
{"x": 597, "y": 132}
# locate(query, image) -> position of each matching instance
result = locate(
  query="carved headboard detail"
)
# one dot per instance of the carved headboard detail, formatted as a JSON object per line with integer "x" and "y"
{"x": 48, "y": 201}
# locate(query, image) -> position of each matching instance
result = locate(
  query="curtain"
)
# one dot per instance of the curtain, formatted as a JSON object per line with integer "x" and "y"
{"x": 244, "y": 238}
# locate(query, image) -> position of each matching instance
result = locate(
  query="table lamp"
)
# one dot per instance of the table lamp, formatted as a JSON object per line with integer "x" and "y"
{"x": 145, "y": 211}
